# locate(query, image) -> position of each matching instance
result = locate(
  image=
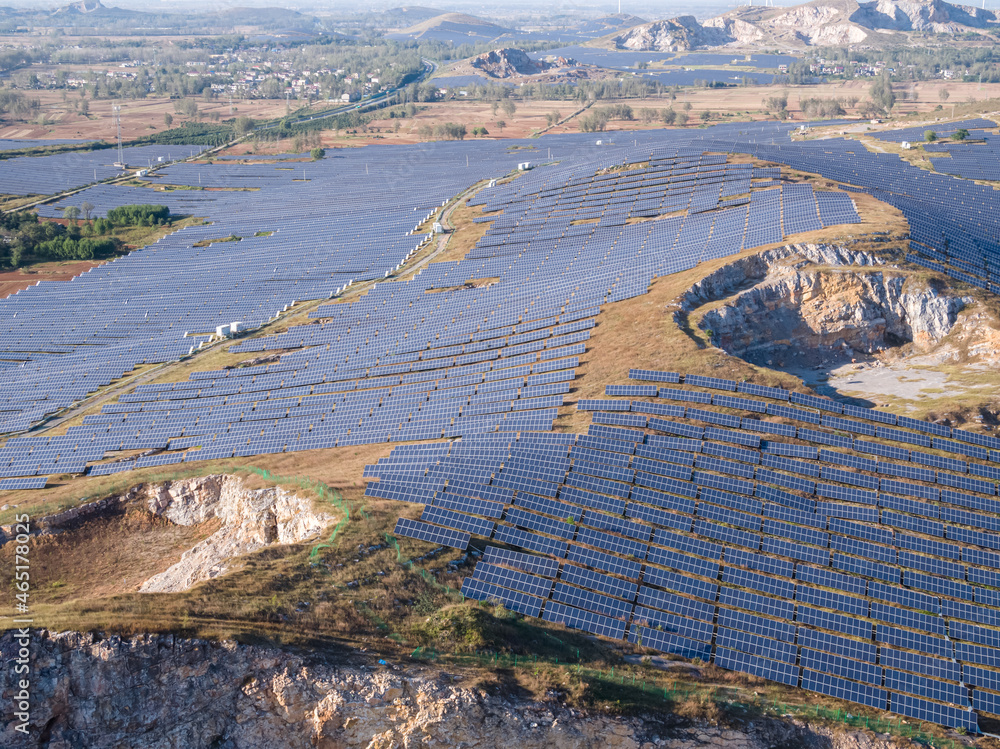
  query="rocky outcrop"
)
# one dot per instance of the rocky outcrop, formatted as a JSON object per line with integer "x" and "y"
{"x": 733, "y": 276}
{"x": 162, "y": 692}
{"x": 736, "y": 29}
{"x": 912, "y": 15}
{"x": 251, "y": 519}
{"x": 835, "y": 34}
{"x": 824, "y": 22}
{"x": 813, "y": 299}
{"x": 507, "y": 63}
{"x": 673, "y": 35}
{"x": 813, "y": 311}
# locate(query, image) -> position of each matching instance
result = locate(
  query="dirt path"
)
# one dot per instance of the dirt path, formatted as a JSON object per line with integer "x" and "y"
{"x": 444, "y": 239}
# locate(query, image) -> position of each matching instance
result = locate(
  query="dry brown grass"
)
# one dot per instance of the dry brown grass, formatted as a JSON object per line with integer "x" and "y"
{"x": 465, "y": 234}
{"x": 339, "y": 467}
{"x": 105, "y": 556}
{"x": 139, "y": 117}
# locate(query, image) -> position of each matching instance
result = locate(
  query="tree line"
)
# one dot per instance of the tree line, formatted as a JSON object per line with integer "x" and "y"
{"x": 24, "y": 239}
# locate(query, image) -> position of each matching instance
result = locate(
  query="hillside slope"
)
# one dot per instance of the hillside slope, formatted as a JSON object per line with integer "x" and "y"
{"x": 820, "y": 22}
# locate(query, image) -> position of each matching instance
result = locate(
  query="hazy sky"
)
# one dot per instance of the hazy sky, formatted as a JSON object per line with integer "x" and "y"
{"x": 646, "y": 8}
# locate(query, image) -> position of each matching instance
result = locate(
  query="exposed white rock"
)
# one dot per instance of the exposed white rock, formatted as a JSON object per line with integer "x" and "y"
{"x": 251, "y": 519}
{"x": 163, "y": 692}
{"x": 914, "y": 15}
{"x": 675, "y": 34}
{"x": 738, "y": 30}
{"x": 732, "y": 276}
{"x": 813, "y": 310}
{"x": 809, "y": 298}
{"x": 830, "y": 22}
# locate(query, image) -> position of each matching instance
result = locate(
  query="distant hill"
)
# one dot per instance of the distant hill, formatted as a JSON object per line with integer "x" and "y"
{"x": 263, "y": 16}
{"x": 409, "y": 15}
{"x": 820, "y": 22}
{"x": 453, "y": 20}
{"x": 95, "y": 13}
{"x": 96, "y": 9}
{"x": 458, "y": 28}
{"x": 607, "y": 24}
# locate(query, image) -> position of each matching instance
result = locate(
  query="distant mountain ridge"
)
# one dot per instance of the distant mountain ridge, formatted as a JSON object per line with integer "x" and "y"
{"x": 820, "y": 22}
{"x": 455, "y": 28}
{"x": 94, "y": 7}
{"x": 453, "y": 20}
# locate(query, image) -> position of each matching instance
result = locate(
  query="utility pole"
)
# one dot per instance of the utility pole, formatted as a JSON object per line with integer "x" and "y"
{"x": 117, "y": 112}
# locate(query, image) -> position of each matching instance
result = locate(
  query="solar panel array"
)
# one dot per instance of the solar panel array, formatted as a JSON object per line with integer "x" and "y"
{"x": 563, "y": 239}
{"x": 969, "y": 160}
{"x": 853, "y": 552}
{"x": 942, "y": 130}
{"x": 782, "y": 544}
{"x": 420, "y": 359}
{"x": 954, "y": 223}
{"x": 47, "y": 175}
{"x": 9, "y": 144}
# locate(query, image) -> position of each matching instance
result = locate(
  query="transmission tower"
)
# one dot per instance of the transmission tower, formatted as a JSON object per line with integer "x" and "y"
{"x": 117, "y": 110}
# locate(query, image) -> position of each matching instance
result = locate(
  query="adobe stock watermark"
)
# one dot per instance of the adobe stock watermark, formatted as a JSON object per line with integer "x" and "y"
{"x": 21, "y": 662}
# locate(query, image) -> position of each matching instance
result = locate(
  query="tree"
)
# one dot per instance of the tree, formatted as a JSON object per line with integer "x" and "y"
{"x": 705, "y": 116}
{"x": 450, "y": 131}
{"x": 669, "y": 116}
{"x": 777, "y": 103}
{"x": 242, "y": 126}
{"x": 317, "y": 153}
{"x": 501, "y": 124}
{"x": 496, "y": 106}
{"x": 960, "y": 134}
{"x": 508, "y": 107}
{"x": 930, "y": 136}
{"x": 139, "y": 215}
{"x": 71, "y": 213}
{"x": 86, "y": 206}
{"x": 821, "y": 108}
{"x": 168, "y": 119}
{"x": 881, "y": 94}
{"x": 944, "y": 95}
{"x": 84, "y": 107}
{"x": 595, "y": 122}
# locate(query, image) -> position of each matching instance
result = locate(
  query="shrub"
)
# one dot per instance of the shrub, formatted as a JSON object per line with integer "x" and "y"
{"x": 139, "y": 215}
